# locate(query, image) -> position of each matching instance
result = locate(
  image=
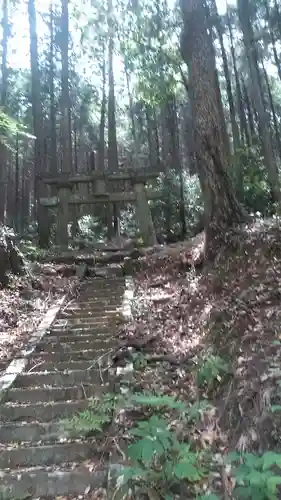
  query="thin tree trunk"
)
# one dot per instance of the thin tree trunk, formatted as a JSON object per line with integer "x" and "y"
{"x": 53, "y": 132}
{"x": 242, "y": 117}
{"x": 112, "y": 137}
{"x": 249, "y": 110}
{"x": 4, "y": 88}
{"x": 101, "y": 143}
{"x": 274, "y": 49}
{"x": 226, "y": 143}
{"x": 263, "y": 121}
{"x": 65, "y": 98}
{"x": 274, "y": 117}
{"x": 17, "y": 187}
{"x": 234, "y": 126}
{"x": 37, "y": 114}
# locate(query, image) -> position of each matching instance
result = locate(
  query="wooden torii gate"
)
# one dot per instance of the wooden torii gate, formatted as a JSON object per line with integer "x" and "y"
{"x": 104, "y": 191}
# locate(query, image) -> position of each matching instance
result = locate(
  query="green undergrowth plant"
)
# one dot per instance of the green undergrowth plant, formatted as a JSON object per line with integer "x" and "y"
{"x": 257, "y": 477}
{"x": 160, "y": 460}
{"x": 139, "y": 360}
{"x": 210, "y": 370}
{"x": 95, "y": 418}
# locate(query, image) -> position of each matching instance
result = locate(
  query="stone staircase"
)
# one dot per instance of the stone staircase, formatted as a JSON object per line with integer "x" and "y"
{"x": 39, "y": 456}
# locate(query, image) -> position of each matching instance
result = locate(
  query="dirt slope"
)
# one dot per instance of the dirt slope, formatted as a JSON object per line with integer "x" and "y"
{"x": 232, "y": 307}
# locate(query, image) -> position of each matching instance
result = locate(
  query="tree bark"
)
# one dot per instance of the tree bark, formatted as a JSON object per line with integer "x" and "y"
{"x": 242, "y": 117}
{"x": 112, "y": 136}
{"x": 221, "y": 204}
{"x": 232, "y": 111}
{"x": 37, "y": 114}
{"x": 4, "y": 88}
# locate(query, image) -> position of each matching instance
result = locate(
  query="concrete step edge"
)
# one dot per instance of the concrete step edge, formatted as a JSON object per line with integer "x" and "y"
{"x": 10, "y": 412}
{"x": 36, "y": 483}
{"x": 47, "y": 454}
{"x": 54, "y": 394}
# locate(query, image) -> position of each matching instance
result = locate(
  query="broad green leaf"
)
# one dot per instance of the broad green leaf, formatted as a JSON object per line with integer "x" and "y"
{"x": 270, "y": 458}
{"x": 233, "y": 456}
{"x": 252, "y": 461}
{"x": 185, "y": 470}
{"x": 275, "y": 408}
{"x": 241, "y": 473}
{"x": 143, "y": 450}
{"x": 256, "y": 478}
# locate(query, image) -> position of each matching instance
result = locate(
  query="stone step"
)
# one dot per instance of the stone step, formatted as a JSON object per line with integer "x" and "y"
{"x": 81, "y": 320}
{"x": 90, "y": 313}
{"x": 34, "y": 432}
{"x": 100, "y": 338}
{"x": 48, "y": 394}
{"x": 40, "y": 411}
{"x": 36, "y": 483}
{"x": 55, "y": 454}
{"x": 57, "y": 366}
{"x": 96, "y": 307}
{"x": 95, "y": 304}
{"x": 86, "y": 354}
{"x": 112, "y": 291}
{"x": 65, "y": 347}
{"x": 61, "y": 379}
{"x": 107, "y": 329}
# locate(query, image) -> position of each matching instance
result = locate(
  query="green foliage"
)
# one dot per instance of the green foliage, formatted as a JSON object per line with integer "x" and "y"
{"x": 255, "y": 477}
{"x": 9, "y": 127}
{"x": 210, "y": 496}
{"x": 94, "y": 418}
{"x": 196, "y": 410}
{"x": 158, "y": 401}
{"x": 171, "y": 193}
{"x": 31, "y": 251}
{"x": 210, "y": 369}
{"x": 250, "y": 178}
{"x": 158, "y": 458}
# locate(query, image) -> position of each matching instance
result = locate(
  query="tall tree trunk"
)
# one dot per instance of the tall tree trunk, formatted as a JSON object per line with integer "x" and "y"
{"x": 278, "y": 17}
{"x": 75, "y": 145}
{"x": 112, "y": 136}
{"x": 250, "y": 111}
{"x": 101, "y": 143}
{"x": 226, "y": 143}
{"x": 221, "y": 206}
{"x": 53, "y": 131}
{"x": 168, "y": 180}
{"x": 3, "y": 153}
{"x": 234, "y": 126}
{"x": 65, "y": 98}
{"x": 17, "y": 188}
{"x": 66, "y": 118}
{"x": 273, "y": 112}
{"x": 274, "y": 49}
{"x": 37, "y": 114}
{"x": 153, "y": 153}
{"x": 156, "y": 135}
{"x": 242, "y": 117}
{"x": 263, "y": 119}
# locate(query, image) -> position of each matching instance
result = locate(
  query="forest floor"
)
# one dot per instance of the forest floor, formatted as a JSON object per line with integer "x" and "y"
{"x": 214, "y": 337}
{"x": 23, "y": 303}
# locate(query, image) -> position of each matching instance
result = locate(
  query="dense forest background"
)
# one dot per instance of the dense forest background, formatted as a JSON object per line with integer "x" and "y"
{"x": 111, "y": 85}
